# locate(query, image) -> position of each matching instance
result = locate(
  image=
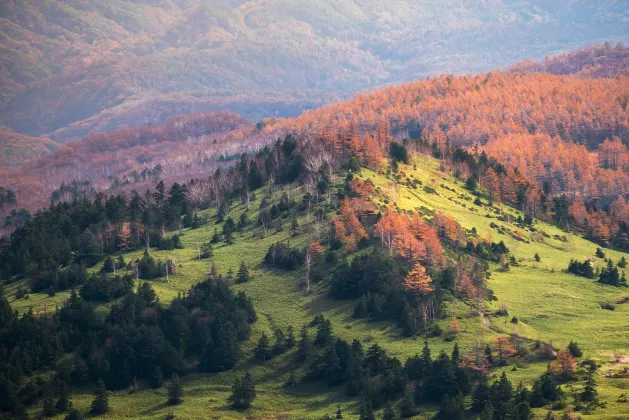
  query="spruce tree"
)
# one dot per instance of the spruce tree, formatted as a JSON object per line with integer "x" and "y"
{"x": 324, "y": 333}
{"x": 290, "y": 337}
{"x": 589, "y": 390}
{"x": 407, "y": 405}
{"x": 480, "y": 396}
{"x": 574, "y": 349}
{"x": 262, "y": 351}
{"x": 294, "y": 227}
{"x": 487, "y": 413}
{"x": 451, "y": 408}
{"x": 243, "y": 274}
{"x": 304, "y": 349}
{"x": 243, "y": 392}
{"x": 339, "y": 414}
{"x": 175, "y": 391}
{"x": 100, "y": 404}
{"x": 456, "y": 356}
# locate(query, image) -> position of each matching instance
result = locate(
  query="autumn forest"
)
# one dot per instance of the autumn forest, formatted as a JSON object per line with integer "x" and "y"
{"x": 314, "y": 210}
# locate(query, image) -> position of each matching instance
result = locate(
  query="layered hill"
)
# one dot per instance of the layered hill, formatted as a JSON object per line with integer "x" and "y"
{"x": 72, "y": 67}
{"x": 595, "y": 61}
{"x": 17, "y": 149}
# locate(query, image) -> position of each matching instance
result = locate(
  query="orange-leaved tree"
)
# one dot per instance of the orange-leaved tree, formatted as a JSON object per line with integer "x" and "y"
{"x": 418, "y": 281}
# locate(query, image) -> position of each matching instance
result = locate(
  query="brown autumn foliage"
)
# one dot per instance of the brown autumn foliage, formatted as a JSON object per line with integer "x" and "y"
{"x": 17, "y": 149}
{"x": 410, "y": 237}
{"x": 418, "y": 281}
{"x": 564, "y": 365}
{"x": 595, "y": 61}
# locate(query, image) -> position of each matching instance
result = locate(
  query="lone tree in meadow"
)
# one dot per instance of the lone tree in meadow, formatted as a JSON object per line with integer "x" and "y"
{"x": 243, "y": 274}
{"x": 243, "y": 392}
{"x": 175, "y": 391}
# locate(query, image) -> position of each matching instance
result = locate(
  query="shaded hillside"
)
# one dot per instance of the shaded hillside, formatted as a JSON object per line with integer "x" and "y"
{"x": 101, "y": 156}
{"x": 66, "y": 62}
{"x": 595, "y": 61}
{"x": 17, "y": 149}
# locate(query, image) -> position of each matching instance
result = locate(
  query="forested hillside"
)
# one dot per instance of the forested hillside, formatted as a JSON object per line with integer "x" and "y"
{"x": 314, "y": 277}
{"x": 595, "y": 61}
{"x": 17, "y": 149}
{"x": 71, "y": 67}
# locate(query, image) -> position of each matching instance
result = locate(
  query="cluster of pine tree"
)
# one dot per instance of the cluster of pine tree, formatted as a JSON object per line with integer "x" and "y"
{"x": 139, "y": 338}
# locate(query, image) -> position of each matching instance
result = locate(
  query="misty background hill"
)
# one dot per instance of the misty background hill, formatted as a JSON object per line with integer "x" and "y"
{"x": 71, "y": 67}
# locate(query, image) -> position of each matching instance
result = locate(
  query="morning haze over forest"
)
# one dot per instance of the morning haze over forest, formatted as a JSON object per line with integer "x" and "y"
{"x": 290, "y": 209}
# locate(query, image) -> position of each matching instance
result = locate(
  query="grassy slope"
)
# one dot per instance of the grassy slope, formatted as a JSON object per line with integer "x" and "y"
{"x": 550, "y": 306}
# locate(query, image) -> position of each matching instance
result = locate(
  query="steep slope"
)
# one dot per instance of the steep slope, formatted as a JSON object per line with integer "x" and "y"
{"x": 17, "y": 149}
{"x": 71, "y": 61}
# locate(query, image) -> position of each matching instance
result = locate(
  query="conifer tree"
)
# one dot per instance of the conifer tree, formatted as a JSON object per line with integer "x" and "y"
{"x": 100, "y": 404}
{"x": 480, "y": 396}
{"x": 243, "y": 274}
{"x": 262, "y": 351}
{"x": 451, "y": 408}
{"x": 175, "y": 391}
{"x": 304, "y": 349}
{"x": 589, "y": 390}
{"x": 243, "y": 392}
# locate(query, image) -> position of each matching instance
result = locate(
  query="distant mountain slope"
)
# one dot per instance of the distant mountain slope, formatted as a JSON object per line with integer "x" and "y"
{"x": 81, "y": 64}
{"x": 16, "y": 149}
{"x": 595, "y": 61}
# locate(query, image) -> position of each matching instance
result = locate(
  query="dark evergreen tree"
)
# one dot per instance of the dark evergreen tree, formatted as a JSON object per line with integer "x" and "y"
{"x": 590, "y": 388}
{"x": 243, "y": 392}
{"x": 574, "y": 349}
{"x": 290, "y": 338}
{"x": 243, "y": 274}
{"x": 262, "y": 351}
{"x": 451, "y": 408}
{"x": 304, "y": 349}
{"x": 324, "y": 333}
{"x": 175, "y": 391}
{"x": 407, "y": 405}
{"x": 480, "y": 396}
{"x": 100, "y": 404}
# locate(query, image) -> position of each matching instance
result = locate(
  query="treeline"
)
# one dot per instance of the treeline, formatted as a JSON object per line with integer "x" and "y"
{"x": 378, "y": 380}
{"x": 138, "y": 339}
{"x": 86, "y": 230}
